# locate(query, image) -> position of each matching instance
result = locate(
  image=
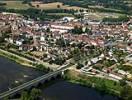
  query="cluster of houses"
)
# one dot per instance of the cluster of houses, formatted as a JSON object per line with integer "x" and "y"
{"x": 62, "y": 27}
{"x": 43, "y": 36}
{"x": 30, "y": 35}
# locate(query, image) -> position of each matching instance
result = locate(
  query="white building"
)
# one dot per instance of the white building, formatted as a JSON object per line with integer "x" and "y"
{"x": 68, "y": 18}
{"x": 19, "y": 42}
{"x": 60, "y": 28}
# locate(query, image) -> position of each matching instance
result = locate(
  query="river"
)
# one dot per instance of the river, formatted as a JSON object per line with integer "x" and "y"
{"x": 13, "y": 74}
{"x": 63, "y": 90}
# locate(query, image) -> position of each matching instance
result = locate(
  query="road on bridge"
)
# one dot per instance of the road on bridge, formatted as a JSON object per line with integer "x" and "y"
{"x": 34, "y": 81}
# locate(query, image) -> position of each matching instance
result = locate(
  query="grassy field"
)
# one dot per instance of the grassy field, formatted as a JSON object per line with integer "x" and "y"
{"x": 101, "y": 15}
{"x": 110, "y": 86}
{"x": 15, "y": 5}
{"x": 12, "y": 4}
{"x": 54, "y": 6}
{"x": 15, "y": 58}
{"x": 61, "y": 14}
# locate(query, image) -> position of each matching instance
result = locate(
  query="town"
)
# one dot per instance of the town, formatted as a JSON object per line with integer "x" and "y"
{"x": 94, "y": 48}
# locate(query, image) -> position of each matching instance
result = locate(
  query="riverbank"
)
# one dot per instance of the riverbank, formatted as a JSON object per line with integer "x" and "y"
{"x": 103, "y": 85}
{"x": 16, "y": 58}
{"x": 59, "y": 89}
{"x": 24, "y": 59}
{"x": 13, "y": 74}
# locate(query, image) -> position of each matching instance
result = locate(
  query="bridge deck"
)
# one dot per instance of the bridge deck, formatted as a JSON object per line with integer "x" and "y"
{"x": 32, "y": 82}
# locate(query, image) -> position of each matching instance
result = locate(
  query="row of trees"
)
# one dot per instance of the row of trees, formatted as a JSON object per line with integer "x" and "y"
{"x": 38, "y": 13}
{"x": 3, "y": 36}
{"x": 119, "y": 19}
{"x": 126, "y": 93}
{"x": 42, "y": 68}
{"x": 59, "y": 60}
{"x": 116, "y": 4}
{"x": 79, "y": 30}
{"x": 34, "y": 94}
{"x": 2, "y": 4}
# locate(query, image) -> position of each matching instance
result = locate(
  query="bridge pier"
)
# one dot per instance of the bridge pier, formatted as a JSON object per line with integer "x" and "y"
{"x": 34, "y": 83}
{"x": 62, "y": 73}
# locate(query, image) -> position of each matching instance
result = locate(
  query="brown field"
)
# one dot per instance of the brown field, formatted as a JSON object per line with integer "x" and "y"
{"x": 15, "y": 5}
{"x": 12, "y": 4}
{"x": 53, "y": 6}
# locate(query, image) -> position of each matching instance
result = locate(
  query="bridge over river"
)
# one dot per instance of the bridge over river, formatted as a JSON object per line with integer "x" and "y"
{"x": 34, "y": 82}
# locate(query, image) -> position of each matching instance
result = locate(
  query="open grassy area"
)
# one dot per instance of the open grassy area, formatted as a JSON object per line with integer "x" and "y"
{"x": 61, "y": 14}
{"x": 19, "y": 5}
{"x": 108, "y": 86}
{"x": 101, "y": 7}
{"x": 15, "y": 5}
{"x": 12, "y": 4}
{"x": 101, "y": 15}
{"x": 15, "y": 58}
{"x": 70, "y": 4}
{"x": 54, "y": 5}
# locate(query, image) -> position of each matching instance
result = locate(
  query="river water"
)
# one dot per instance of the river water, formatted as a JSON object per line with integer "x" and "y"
{"x": 13, "y": 74}
{"x": 63, "y": 90}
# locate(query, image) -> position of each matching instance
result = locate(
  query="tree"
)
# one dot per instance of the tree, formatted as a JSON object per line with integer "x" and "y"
{"x": 79, "y": 66}
{"x": 59, "y": 60}
{"x": 88, "y": 31}
{"x": 76, "y": 53}
{"x": 126, "y": 93}
{"x": 42, "y": 68}
{"x": 35, "y": 94}
{"x": 48, "y": 30}
{"x": 101, "y": 85}
{"x": 1, "y": 39}
{"x": 58, "y": 6}
{"x": 123, "y": 82}
{"x": 24, "y": 95}
{"x": 3, "y": 36}
{"x": 37, "y": 6}
{"x": 6, "y": 98}
{"x": 77, "y": 30}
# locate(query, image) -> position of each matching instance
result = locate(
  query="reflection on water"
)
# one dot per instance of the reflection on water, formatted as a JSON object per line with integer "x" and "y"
{"x": 68, "y": 91}
{"x": 12, "y": 74}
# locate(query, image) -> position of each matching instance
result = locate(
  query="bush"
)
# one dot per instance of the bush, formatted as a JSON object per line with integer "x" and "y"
{"x": 42, "y": 68}
{"x": 79, "y": 66}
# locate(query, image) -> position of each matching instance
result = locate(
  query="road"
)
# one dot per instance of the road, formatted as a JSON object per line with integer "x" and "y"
{"x": 86, "y": 70}
{"x": 32, "y": 82}
{"x": 104, "y": 75}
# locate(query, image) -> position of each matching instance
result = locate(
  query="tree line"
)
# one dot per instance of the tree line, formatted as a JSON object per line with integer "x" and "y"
{"x": 38, "y": 13}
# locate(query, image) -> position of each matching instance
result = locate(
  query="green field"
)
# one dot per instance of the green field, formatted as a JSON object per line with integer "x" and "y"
{"x": 106, "y": 85}
{"x": 121, "y": 6}
{"x": 15, "y": 5}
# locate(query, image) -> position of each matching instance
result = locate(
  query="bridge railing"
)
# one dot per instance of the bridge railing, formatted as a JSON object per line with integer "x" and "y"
{"x": 32, "y": 82}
